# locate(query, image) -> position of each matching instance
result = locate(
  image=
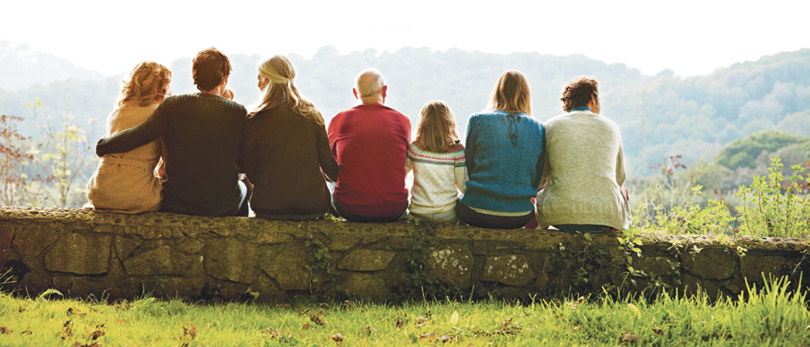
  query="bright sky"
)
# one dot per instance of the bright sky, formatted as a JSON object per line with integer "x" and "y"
{"x": 688, "y": 36}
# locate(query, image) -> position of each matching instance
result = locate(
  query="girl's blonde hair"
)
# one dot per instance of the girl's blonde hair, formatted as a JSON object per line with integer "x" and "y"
{"x": 437, "y": 127}
{"x": 512, "y": 94}
{"x": 147, "y": 84}
{"x": 280, "y": 72}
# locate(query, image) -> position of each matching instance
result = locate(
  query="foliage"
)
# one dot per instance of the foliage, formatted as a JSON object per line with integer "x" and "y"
{"x": 771, "y": 315}
{"x": 745, "y": 151}
{"x": 775, "y": 206}
{"x": 49, "y": 170}
{"x": 770, "y": 206}
{"x": 14, "y": 164}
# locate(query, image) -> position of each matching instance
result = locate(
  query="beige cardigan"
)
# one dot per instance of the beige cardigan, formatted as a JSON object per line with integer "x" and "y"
{"x": 583, "y": 173}
{"x": 125, "y": 182}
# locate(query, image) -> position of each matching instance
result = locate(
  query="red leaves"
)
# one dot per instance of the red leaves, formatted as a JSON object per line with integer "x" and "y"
{"x": 192, "y": 331}
{"x": 21, "y": 309}
{"x": 4, "y": 330}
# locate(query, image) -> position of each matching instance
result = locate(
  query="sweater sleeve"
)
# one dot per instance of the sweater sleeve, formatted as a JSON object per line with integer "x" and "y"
{"x": 154, "y": 127}
{"x": 325, "y": 154}
{"x": 461, "y": 178}
{"x": 620, "y": 173}
{"x": 541, "y": 162}
{"x": 469, "y": 146}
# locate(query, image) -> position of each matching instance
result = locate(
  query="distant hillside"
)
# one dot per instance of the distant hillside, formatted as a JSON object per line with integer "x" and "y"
{"x": 22, "y": 67}
{"x": 658, "y": 115}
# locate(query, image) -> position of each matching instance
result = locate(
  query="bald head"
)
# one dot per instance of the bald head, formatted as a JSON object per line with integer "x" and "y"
{"x": 370, "y": 86}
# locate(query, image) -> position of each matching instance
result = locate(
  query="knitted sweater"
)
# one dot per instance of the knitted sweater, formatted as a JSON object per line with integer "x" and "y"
{"x": 284, "y": 153}
{"x": 125, "y": 182}
{"x": 584, "y": 173}
{"x": 437, "y": 178}
{"x": 504, "y": 161}
{"x": 202, "y": 134}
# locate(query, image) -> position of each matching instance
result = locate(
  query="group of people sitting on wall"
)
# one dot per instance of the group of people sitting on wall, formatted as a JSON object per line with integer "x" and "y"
{"x": 204, "y": 154}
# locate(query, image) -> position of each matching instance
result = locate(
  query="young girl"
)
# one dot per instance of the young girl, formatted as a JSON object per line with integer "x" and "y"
{"x": 437, "y": 160}
{"x": 124, "y": 182}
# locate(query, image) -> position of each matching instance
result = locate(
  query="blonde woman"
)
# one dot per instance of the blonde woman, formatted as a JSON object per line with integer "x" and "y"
{"x": 286, "y": 150}
{"x": 125, "y": 182}
{"x": 504, "y": 158}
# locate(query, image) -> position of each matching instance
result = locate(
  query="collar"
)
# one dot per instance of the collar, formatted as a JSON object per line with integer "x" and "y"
{"x": 581, "y": 108}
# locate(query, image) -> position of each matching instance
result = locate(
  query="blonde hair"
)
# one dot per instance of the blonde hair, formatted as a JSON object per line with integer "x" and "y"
{"x": 146, "y": 84}
{"x": 512, "y": 94}
{"x": 227, "y": 93}
{"x": 280, "y": 72}
{"x": 437, "y": 127}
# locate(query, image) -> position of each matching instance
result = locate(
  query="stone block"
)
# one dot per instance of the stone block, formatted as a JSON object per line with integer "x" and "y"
{"x": 6, "y": 235}
{"x": 161, "y": 261}
{"x": 190, "y": 245}
{"x": 231, "y": 260}
{"x": 342, "y": 243}
{"x": 452, "y": 264}
{"x": 287, "y": 265}
{"x": 513, "y": 270}
{"x": 366, "y": 285}
{"x": 710, "y": 263}
{"x": 542, "y": 276}
{"x": 31, "y": 242}
{"x": 272, "y": 237}
{"x": 80, "y": 254}
{"x": 124, "y": 246}
{"x": 366, "y": 260}
{"x": 658, "y": 265}
{"x": 753, "y": 267}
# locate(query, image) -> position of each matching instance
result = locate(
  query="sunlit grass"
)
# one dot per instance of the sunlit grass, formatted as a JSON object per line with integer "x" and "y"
{"x": 772, "y": 316}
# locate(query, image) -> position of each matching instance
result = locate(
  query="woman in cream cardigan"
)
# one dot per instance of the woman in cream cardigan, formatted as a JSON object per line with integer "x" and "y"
{"x": 126, "y": 182}
{"x": 584, "y": 166}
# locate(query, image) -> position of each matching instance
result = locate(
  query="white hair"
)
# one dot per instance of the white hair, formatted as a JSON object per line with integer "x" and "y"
{"x": 369, "y": 82}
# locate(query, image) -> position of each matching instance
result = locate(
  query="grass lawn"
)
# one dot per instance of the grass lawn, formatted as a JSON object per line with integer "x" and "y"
{"x": 766, "y": 317}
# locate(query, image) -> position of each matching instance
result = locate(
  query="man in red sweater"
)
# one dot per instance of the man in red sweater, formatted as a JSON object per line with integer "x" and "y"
{"x": 370, "y": 143}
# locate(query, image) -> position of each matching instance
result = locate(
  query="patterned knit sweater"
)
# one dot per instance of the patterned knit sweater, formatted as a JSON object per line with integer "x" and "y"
{"x": 504, "y": 161}
{"x": 437, "y": 178}
{"x": 584, "y": 173}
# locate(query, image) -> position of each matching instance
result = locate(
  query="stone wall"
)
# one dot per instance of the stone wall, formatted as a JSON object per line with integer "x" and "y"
{"x": 81, "y": 253}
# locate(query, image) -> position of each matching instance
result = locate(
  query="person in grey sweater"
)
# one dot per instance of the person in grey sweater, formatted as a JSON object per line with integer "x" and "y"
{"x": 202, "y": 134}
{"x": 583, "y": 166}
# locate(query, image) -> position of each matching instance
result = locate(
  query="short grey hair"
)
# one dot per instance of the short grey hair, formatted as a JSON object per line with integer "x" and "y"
{"x": 369, "y": 82}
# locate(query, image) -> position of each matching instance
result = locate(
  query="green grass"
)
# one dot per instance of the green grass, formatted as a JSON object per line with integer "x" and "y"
{"x": 772, "y": 316}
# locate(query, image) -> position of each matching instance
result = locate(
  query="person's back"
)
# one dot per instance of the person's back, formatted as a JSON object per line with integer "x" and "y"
{"x": 370, "y": 143}
{"x": 124, "y": 182}
{"x": 584, "y": 166}
{"x": 504, "y": 173}
{"x": 202, "y": 140}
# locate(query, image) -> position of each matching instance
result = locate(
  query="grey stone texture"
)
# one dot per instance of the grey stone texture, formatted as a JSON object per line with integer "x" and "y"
{"x": 84, "y": 253}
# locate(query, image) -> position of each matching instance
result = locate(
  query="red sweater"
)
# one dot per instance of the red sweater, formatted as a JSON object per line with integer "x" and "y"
{"x": 370, "y": 144}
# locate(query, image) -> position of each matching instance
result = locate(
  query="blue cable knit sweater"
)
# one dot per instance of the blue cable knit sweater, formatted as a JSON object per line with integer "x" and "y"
{"x": 503, "y": 160}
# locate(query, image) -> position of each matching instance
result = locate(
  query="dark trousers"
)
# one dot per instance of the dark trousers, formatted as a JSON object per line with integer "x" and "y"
{"x": 471, "y": 217}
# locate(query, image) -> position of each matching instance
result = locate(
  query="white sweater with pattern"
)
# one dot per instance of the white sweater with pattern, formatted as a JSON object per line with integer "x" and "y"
{"x": 437, "y": 178}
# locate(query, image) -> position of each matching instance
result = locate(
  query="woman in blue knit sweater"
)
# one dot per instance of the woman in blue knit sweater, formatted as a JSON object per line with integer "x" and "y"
{"x": 504, "y": 150}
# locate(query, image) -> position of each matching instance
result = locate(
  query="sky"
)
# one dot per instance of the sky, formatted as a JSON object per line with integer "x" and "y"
{"x": 687, "y": 36}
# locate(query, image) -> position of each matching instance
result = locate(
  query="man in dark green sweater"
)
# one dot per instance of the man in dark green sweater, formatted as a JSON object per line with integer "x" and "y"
{"x": 202, "y": 133}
